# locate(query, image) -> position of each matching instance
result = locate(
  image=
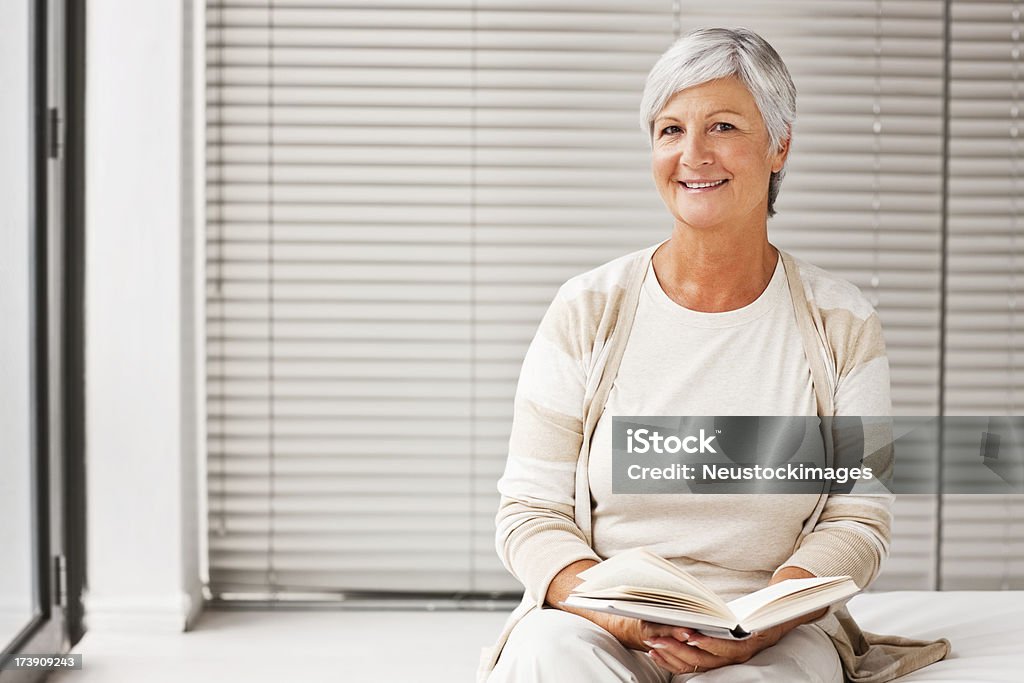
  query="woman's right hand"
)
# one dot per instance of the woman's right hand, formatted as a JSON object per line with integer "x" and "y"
{"x": 629, "y": 631}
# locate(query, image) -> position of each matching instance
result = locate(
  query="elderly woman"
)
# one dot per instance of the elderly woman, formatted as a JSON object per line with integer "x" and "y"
{"x": 713, "y": 321}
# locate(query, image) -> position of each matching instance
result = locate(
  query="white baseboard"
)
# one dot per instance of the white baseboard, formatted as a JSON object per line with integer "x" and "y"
{"x": 142, "y": 614}
{"x": 195, "y": 608}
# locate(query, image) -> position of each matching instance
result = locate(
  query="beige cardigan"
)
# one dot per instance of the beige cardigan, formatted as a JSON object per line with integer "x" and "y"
{"x": 595, "y": 334}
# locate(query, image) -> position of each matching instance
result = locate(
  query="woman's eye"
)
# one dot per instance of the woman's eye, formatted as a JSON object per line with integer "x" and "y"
{"x": 724, "y": 126}
{"x": 671, "y": 130}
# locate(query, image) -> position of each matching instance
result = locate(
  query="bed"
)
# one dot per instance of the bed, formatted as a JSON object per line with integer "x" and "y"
{"x": 986, "y": 629}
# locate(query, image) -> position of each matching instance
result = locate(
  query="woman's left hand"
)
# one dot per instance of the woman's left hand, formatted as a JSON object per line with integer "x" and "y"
{"x": 678, "y": 650}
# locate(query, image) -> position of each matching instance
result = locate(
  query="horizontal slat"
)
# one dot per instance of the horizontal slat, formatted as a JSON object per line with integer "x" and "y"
{"x": 923, "y": 97}
{"x": 413, "y": 236}
{"x": 413, "y": 58}
{"x": 267, "y": 75}
{"x": 433, "y": 19}
{"x": 441, "y": 560}
{"x": 255, "y": 582}
{"x": 569, "y": 31}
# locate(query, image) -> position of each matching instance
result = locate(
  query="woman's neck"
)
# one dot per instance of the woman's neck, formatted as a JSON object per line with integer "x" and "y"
{"x": 712, "y": 273}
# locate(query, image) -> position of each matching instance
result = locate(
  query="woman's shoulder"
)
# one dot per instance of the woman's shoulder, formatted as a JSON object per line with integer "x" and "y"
{"x": 828, "y": 291}
{"x": 849, "y": 323}
{"x": 605, "y": 279}
{"x": 587, "y": 305}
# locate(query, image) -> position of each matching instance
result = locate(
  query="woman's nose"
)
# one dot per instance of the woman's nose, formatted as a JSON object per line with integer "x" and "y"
{"x": 695, "y": 151}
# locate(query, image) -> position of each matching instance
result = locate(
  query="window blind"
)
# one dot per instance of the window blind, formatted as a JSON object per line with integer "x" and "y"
{"x": 339, "y": 321}
{"x": 394, "y": 195}
{"x": 983, "y": 536}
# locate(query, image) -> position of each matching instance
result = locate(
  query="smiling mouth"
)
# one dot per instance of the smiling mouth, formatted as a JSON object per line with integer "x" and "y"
{"x": 701, "y": 186}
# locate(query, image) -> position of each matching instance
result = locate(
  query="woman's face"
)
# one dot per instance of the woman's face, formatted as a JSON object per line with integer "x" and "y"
{"x": 714, "y": 133}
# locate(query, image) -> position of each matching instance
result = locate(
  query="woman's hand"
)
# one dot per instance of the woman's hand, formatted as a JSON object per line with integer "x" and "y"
{"x": 680, "y": 650}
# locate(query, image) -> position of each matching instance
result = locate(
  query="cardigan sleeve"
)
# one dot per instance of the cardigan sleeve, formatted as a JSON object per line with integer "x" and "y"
{"x": 852, "y": 534}
{"x": 537, "y": 536}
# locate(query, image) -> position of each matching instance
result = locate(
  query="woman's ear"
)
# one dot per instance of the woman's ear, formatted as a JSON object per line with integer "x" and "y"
{"x": 779, "y": 158}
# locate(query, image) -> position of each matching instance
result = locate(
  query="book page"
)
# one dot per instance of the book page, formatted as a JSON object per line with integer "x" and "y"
{"x": 643, "y": 569}
{"x": 658, "y": 598}
{"x": 798, "y": 604}
{"x": 745, "y": 606}
{"x": 706, "y": 624}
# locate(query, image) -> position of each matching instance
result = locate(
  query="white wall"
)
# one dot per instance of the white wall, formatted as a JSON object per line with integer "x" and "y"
{"x": 142, "y": 453}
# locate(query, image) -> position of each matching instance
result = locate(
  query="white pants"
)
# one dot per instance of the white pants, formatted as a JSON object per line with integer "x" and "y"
{"x": 553, "y": 646}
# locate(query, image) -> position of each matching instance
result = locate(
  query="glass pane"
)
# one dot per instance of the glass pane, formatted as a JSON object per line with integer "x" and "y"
{"x": 18, "y": 592}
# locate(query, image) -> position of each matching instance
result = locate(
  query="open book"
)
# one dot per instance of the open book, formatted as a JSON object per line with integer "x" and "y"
{"x": 638, "y": 583}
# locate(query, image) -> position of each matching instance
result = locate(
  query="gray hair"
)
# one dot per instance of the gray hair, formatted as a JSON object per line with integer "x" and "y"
{"x": 707, "y": 54}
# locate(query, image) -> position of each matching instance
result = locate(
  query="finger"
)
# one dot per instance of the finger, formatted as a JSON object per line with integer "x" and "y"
{"x": 651, "y": 630}
{"x": 682, "y": 634}
{"x": 669, "y": 662}
{"x": 732, "y": 650}
{"x": 716, "y": 646}
{"x": 672, "y": 648}
{"x": 660, "y": 661}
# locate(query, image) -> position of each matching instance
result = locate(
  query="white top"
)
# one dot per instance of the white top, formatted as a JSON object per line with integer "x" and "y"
{"x": 749, "y": 361}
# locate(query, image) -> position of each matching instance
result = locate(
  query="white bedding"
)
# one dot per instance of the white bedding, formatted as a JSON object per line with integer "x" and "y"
{"x": 986, "y": 629}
